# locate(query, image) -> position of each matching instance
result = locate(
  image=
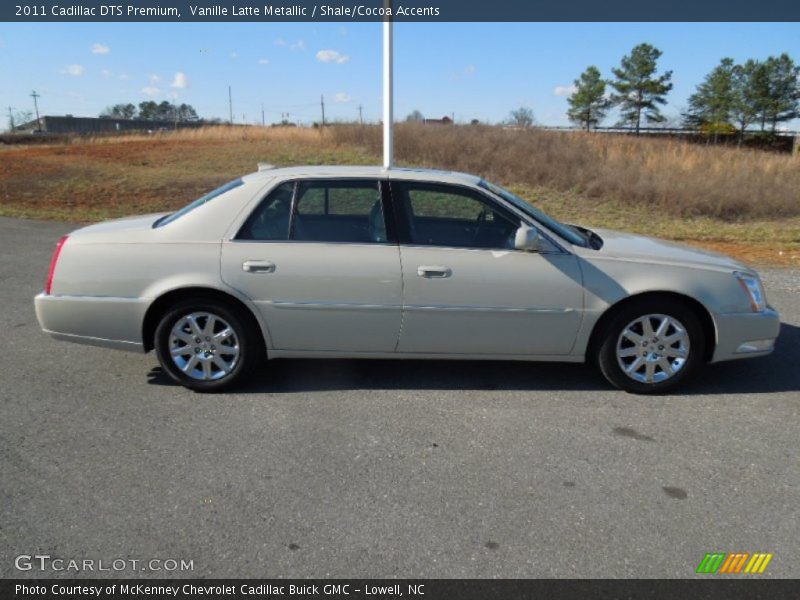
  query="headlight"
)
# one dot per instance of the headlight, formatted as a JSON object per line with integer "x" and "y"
{"x": 751, "y": 285}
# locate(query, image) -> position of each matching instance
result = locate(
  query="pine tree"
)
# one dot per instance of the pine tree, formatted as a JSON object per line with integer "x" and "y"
{"x": 588, "y": 104}
{"x": 639, "y": 90}
{"x": 747, "y": 102}
{"x": 711, "y": 105}
{"x": 783, "y": 85}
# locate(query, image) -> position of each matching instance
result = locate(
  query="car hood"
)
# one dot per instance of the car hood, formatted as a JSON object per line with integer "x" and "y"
{"x": 639, "y": 248}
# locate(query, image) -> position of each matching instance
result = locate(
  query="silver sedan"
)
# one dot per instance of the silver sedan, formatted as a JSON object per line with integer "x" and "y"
{"x": 371, "y": 263}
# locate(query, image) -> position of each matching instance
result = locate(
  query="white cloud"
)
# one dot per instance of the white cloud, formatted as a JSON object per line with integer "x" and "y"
{"x": 150, "y": 91}
{"x": 298, "y": 45}
{"x": 124, "y": 76}
{"x": 74, "y": 70}
{"x": 564, "y": 90}
{"x": 341, "y": 97}
{"x": 263, "y": 61}
{"x": 154, "y": 78}
{"x": 234, "y": 55}
{"x": 180, "y": 81}
{"x": 334, "y": 56}
{"x": 99, "y": 48}
{"x": 107, "y": 73}
{"x": 173, "y": 95}
{"x": 470, "y": 70}
{"x": 343, "y": 31}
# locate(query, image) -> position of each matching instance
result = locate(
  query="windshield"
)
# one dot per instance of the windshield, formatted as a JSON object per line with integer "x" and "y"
{"x": 570, "y": 234}
{"x": 199, "y": 202}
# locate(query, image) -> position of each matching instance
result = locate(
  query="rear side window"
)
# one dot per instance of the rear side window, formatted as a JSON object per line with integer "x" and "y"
{"x": 319, "y": 211}
{"x": 197, "y": 203}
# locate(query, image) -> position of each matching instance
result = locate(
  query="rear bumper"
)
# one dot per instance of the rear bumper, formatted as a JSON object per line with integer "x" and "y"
{"x": 97, "y": 321}
{"x": 746, "y": 335}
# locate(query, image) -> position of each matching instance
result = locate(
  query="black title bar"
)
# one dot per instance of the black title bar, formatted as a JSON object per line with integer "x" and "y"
{"x": 401, "y": 11}
{"x": 418, "y": 589}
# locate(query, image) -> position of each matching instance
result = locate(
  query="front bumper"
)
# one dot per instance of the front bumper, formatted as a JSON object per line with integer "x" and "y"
{"x": 97, "y": 321}
{"x": 746, "y": 335}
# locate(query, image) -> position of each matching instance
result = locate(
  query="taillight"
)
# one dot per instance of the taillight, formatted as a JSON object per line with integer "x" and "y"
{"x": 56, "y": 253}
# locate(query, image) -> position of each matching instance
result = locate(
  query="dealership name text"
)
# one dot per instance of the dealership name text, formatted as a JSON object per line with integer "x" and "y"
{"x": 190, "y": 589}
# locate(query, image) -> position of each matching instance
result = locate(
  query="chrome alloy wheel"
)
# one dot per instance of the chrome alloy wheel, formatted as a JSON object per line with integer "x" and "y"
{"x": 653, "y": 348}
{"x": 204, "y": 346}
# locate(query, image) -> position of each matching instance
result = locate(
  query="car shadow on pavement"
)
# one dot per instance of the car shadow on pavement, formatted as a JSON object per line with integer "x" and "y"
{"x": 779, "y": 372}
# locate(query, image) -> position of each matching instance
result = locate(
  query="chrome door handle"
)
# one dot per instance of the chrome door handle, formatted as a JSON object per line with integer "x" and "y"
{"x": 258, "y": 266}
{"x": 434, "y": 272}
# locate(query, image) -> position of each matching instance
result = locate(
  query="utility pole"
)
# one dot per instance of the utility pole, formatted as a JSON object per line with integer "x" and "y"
{"x": 322, "y": 104}
{"x": 263, "y": 123}
{"x": 230, "y": 104}
{"x": 388, "y": 108}
{"x": 360, "y": 117}
{"x": 10, "y": 120}
{"x": 35, "y": 97}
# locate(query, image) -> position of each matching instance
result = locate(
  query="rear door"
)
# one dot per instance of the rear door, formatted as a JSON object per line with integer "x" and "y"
{"x": 467, "y": 290}
{"x": 315, "y": 258}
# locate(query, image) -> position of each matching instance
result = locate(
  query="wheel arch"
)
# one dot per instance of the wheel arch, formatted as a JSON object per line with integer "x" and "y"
{"x": 163, "y": 302}
{"x": 703, "y": 314}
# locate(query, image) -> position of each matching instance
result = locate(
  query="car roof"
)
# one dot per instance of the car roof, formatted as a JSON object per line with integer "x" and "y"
{"x": 335, "y": 171}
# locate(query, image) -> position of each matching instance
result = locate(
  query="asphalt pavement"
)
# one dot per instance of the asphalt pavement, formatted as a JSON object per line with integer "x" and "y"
{"x": 355, "y": 468}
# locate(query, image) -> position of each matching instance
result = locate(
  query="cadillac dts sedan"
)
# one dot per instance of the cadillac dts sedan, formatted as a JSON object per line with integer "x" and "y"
{"x": 362, "y": 262}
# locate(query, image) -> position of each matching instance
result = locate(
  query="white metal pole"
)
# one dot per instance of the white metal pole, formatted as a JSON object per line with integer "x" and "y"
{"x": 388, "y": 117}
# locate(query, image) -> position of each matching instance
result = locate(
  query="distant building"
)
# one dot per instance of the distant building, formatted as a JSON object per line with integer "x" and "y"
{"x": 445, "y": 120}
{"x": 70, "y": 124}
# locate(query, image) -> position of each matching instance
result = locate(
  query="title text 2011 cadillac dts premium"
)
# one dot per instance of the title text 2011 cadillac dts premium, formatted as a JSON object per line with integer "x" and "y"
{"x": 400, "y": 263}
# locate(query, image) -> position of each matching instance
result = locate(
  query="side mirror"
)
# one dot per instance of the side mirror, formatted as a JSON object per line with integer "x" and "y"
{"x": 527, "y": 238}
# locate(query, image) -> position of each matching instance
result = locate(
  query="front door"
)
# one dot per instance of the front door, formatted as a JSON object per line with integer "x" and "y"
{"x": 314, "y": 257}
{"x": 468, "y": 291}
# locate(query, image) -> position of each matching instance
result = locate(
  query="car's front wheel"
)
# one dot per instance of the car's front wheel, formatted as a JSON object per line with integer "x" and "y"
{"x": 205, "y": 346}
{"x": 652, "y": 346}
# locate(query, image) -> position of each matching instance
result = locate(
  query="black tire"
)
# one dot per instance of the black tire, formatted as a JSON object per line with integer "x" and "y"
{"x": 607, "y": 351}
{"x": 250, "y": 346}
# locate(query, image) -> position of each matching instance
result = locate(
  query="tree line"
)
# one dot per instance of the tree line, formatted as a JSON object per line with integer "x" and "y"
{"x": 152, "y": 111}
{"x": 731, "y": 98}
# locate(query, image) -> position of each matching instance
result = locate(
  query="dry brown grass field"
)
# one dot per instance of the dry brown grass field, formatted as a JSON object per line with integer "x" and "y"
{"x": 743, "y": 202}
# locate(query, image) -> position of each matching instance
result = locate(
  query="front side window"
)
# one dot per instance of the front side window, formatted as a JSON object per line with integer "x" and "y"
{"x": 567, "y": 232}
{"x": 442, "y": 215}
{"x": 319, "y": 211}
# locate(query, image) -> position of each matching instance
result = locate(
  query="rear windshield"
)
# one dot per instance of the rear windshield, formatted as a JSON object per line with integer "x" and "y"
{"x": 165, "y": 220}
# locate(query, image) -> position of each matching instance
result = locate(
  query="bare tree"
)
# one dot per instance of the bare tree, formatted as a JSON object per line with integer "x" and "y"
{"x": 521, "y": 117}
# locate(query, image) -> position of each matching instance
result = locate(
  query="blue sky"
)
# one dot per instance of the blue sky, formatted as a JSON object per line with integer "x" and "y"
{"x": 474, "y": 70}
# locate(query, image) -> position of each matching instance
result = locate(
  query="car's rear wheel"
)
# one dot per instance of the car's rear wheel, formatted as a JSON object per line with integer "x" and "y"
{"x": 205, "y": 345}
{"x": 652, "y": 346}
